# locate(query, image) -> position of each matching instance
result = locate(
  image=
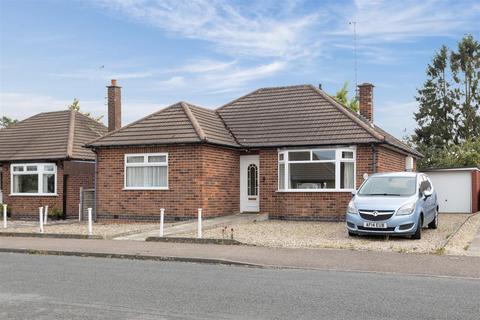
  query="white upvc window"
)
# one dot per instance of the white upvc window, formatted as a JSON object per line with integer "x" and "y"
{"x": 33, "y": 179}
{"x": 146, "y": 171}
{"x": 317, "y": 170}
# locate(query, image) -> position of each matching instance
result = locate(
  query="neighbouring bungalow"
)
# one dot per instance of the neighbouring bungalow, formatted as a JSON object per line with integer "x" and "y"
{"x": 292, "y": 152}
{"x": 43, "y": 161}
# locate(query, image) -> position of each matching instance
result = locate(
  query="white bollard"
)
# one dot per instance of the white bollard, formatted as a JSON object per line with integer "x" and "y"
{"x": 90, "y": 226}
{"x": 199, "y": 236}
{"x": 45, "y": 216}
{"x": 79, "y": 212}
{"x": 5, "y": 216}
{"x": 162, "y": 214}
{"x": 40, "y": 213}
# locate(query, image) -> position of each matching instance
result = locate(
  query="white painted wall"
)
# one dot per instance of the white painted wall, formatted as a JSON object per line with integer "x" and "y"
{"x": 454, "y": 190}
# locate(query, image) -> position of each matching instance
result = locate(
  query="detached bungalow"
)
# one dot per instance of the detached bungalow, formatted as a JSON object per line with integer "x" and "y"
{"x": 292, "y": 152}
{"x": 43, "y": 161}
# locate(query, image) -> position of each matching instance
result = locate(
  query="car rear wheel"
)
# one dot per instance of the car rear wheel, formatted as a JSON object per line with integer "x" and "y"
{"x": 434, "y": 223}
{"x": 418, "y": 233}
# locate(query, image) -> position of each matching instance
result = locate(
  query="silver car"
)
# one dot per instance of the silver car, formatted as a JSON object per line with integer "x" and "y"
{"x": 396, "y": 203}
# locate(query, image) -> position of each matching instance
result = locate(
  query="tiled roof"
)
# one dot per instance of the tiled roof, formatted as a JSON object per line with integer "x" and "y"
{"x": 50, "y": 135}
{"x": 269, "y": 117}
{"x": 178, "y": 123}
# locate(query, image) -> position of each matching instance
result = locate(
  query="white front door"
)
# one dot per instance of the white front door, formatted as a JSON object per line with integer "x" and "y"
{"x": 249, "y": 184}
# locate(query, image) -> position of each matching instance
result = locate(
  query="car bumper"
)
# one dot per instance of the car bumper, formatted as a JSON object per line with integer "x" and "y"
{"x": 396, "y": 225}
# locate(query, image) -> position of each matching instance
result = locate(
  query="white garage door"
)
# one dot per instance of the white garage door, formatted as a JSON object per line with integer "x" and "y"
{"x": 454, "y": 190}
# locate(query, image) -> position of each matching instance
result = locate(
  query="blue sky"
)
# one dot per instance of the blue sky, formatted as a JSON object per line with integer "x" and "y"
{"x": 209, "y": 52}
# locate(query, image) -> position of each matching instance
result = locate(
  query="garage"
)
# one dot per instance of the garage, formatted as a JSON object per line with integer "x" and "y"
{"x": 457, "y": 189}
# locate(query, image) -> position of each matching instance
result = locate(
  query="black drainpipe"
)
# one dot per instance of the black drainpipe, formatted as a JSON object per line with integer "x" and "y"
{"x": 374, "y": 158}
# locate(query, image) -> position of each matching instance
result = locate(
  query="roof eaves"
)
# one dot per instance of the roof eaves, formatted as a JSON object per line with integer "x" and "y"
{"x": 196, "y": 126}
{"x": 349, "y": 114}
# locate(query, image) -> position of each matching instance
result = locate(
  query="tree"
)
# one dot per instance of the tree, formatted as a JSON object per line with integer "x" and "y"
{"x": 465, "y": 65}
{"x": 448, "y": 115}
{"x": 6, "y": 122}
{"x": 75, "y": 106}
{"x": 342, "y": 98}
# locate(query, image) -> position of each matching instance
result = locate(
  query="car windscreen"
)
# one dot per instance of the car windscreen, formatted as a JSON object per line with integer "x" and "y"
{"x": 389, "y": 186}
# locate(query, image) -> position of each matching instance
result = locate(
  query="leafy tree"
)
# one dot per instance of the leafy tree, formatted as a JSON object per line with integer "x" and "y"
{"x": 6, "y": 122}
{"x": 462, "y": 155}
{"x": 448, "y": 117}
{"x": 342, "y": 97}
{"x": 75, "y": 106}
{"x": 465, "y": 65}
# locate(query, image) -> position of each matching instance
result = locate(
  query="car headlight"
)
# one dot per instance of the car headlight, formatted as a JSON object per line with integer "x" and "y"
{"x": 352, "y": 209}
{"x": 406, "y": 209}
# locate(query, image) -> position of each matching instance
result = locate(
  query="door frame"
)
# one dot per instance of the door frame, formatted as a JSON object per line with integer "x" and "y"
{"x": 243, "y": 182}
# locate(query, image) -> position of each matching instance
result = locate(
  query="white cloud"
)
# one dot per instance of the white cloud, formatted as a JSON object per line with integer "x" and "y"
{"x": 397, "y": 117}
{"x": 172, "y": 83}
{"x": 382, "y": 20}
{"x": 100, "y": 73}
{"x": 234, "y": 30}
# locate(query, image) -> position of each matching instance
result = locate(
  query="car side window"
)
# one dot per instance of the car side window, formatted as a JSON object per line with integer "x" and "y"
{"x": 423, "y": 184}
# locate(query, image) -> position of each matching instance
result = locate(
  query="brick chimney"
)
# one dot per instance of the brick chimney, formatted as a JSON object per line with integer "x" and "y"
{"x": 365, "y": 97}
{"x": 114, "y": 106}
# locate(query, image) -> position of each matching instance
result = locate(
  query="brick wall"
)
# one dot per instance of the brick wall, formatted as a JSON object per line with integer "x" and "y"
{"x": 475, "y": 191}
{"x": 80, "y": 174}
{"x": 199, "y": 176}
{"x": 26, "y": 207}
{"x": 389, "y": 160}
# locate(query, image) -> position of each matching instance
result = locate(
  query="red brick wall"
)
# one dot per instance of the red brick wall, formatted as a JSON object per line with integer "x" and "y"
{"x": 475, "y": 191}
{"x": 199, "y": 176}
{"x": 221, "y": 184}
{"x": 26, "y": 207}
{"x": 80, "y": 174}
{"x": 389, "y": 160}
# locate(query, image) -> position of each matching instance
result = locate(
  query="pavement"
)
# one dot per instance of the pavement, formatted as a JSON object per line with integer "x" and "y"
{"x": 191, "y": 226}
{"x": 57, "y": 287}
{"x": 474, "y": 247}
{"x": 320, "y": 259}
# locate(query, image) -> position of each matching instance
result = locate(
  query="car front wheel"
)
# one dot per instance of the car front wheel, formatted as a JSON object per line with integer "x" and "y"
{"x": 434, "y": 223}
{"x": 418, "y": 233}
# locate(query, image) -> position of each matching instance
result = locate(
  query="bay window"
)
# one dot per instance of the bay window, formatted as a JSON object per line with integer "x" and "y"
{"x": 146, "y": 171}
{"x": 316, "y": 169}
{"x": 34, "y": 179}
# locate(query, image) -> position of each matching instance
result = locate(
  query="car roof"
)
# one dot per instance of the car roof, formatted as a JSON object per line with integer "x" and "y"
{"x": 396, "y": 174}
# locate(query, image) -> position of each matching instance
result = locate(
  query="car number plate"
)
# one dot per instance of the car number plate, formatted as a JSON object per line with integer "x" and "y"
{"x": 375, "y": 225}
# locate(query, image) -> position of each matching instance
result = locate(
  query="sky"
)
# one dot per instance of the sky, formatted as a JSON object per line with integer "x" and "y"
{"x": 209, "y": 52}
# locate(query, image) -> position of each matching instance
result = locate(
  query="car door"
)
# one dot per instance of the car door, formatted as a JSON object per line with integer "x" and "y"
{"x": 427, "y": 202}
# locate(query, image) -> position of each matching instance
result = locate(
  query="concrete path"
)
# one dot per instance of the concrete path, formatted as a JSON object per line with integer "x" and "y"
{"x": 474, "y": 247}
{"x": 191, "y": 226}
{"x": 321, "y": 259}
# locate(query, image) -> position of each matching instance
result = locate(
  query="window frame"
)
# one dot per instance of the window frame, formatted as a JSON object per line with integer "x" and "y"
{"x": 145, "y": 163}
{"x": 39, "y": 172}
{"x": 337, "y": 161}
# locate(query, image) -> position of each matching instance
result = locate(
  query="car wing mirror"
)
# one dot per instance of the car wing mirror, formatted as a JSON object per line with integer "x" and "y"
{"x": 354, "y": 193}
{"x": 427, "y": 193}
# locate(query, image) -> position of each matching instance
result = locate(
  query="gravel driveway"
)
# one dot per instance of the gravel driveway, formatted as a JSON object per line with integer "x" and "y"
{"x": 103, "y": 229}
{"x": 292, "y": 234}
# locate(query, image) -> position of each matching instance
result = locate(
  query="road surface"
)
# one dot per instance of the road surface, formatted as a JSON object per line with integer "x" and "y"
{"x": 58, "y": 287}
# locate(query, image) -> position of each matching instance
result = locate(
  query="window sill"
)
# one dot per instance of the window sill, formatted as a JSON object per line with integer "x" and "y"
{"x": 315, "y": 190}
{"x": 145, "y": 189}
{"x": 33, "y": 195}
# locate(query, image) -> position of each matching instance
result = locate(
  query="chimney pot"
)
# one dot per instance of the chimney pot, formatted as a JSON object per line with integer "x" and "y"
{"x": 114, "y": 106}
{"x": 365, "y": 97}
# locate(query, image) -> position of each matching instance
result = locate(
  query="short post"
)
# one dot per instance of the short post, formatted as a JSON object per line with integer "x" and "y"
{"x": 5, "y": 216}
{"x": 199, "y": 236}
{"x": 90, "y": 226}
{"x": 162, "y": 215}
{"x": 79, "y": 212}
{"x": 40, "y": 214}
{"x": 45, "y": 216}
